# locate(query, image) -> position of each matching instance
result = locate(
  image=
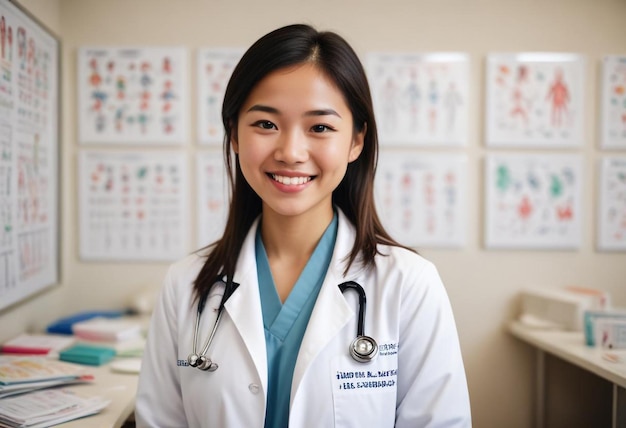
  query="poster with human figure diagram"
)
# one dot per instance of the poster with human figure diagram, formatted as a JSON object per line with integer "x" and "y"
{"x": 212, "y": 197}
{"x": 29, "y": 153}
{"x": 420, "y": 99}
{"x": 614, "y": 102}
{"x": 612, "y": 207}
{"x": 535, "y": 100}
{"x": 421, "y": 198}
{"x": 132, "y": 95}
{"x": 133, "y": 206}
{"x": 215, "y": 65}
{"x": 533, "y": 201}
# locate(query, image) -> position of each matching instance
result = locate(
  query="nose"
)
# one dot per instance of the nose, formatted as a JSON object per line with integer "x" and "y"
{"x": 291, "y": 148}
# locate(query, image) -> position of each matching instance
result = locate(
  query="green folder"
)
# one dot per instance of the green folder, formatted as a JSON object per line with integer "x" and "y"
{"x": 86, "y": 354}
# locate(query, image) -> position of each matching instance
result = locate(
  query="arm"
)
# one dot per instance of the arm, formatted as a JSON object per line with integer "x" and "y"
{"x": 159, "y": 401}
{"x": 432, "y": 388}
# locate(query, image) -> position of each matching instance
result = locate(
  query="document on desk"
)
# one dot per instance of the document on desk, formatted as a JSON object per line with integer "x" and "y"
{"x": 48, "y": 407}
{"x": 22, "y": 374}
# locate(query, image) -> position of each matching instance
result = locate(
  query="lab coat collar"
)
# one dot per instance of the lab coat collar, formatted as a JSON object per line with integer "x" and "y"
{"x": 331, "y": 311}
{"x": 244, "y": 306}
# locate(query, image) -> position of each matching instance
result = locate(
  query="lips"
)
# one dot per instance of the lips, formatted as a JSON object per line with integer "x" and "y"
{"x": 291, "y": 181}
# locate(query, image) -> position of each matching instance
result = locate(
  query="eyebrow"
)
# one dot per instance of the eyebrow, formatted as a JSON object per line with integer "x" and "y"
{"x": 272, "y": 110}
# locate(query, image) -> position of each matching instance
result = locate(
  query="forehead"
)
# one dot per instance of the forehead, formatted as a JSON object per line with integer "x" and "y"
{"x": 297, "y": 85}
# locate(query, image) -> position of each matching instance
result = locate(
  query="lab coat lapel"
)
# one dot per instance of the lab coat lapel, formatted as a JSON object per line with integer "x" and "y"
{"x": 244, "y": 306}
{"x": 331, "y": 311}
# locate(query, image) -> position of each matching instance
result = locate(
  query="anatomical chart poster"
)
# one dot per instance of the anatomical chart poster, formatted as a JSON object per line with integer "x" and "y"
{"x": 420, "y": 99}
{"x": 132, "y": 95}
{"x": 533, "y": 201}
{"x": 213, "y": 196}
{"x": 614, "y": 102}
{"x": 612, "y": 207}
{"x": 215, "y": 65}
{"x": 29, "y": 150}
{"x": 133, "y": 206}
{"x": 421, "y": 198}
{"x": 535, "y": 100}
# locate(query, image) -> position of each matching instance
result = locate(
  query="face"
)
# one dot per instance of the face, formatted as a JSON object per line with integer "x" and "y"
{"x": 295, "y": 138}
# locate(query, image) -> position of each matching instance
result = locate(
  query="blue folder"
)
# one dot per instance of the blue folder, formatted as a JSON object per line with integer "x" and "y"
{"x": 64, "y": 325}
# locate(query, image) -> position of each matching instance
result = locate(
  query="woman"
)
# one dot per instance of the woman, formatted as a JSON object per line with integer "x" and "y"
{"x": 299, "y": 122}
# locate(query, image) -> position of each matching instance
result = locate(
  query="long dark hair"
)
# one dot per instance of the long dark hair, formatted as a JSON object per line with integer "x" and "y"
{"x": 284, "y": 47}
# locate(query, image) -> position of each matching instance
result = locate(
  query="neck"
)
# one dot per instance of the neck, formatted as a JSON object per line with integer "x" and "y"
{"x": 294, "y": 237}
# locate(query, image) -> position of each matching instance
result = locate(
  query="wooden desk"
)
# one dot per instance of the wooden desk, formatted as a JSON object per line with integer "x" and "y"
{"x": 120, "y": 388}
{"x": 586, "y": 389}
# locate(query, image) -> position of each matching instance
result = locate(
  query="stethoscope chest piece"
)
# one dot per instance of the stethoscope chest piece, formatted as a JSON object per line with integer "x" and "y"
{"x": 363, "y": 349}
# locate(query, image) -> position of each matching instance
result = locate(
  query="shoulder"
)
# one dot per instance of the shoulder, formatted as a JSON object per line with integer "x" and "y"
{"x": 409, "y": 274}
{"x": 404, "y": 261}
{"x": 189, "y": 265}
{"x": 183, "y": 273}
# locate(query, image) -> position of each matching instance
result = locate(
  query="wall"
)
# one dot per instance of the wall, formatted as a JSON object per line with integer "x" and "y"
{"x": 482, "y": 284}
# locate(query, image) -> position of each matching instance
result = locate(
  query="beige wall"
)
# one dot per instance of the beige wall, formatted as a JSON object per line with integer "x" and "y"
{"x": 482, "y": 284}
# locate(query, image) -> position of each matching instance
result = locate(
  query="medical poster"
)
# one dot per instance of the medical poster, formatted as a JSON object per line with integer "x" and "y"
{"x": 535, "y": 100}
{"x": 612, "y": 205}
{"x": 421, "y": 198}
{"x": 533, "y": 201}
{"x": 613, "y": 102}
{"x": 420, "y": 99}
{"x": 213, "y": 197}
{"x": 215, "y": 66}
{"x": 133, "y": 206}
{"x": 132, "y": 95}
{"x": 29, "y": 151}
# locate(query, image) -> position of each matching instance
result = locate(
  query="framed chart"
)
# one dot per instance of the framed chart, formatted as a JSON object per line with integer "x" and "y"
{"x": 533, "y": 201}
{"x": 132, "y": 95}
{"x": 133, "y": 205}
{"x": 421, "y": 197}
{"x": 611, "y": 222}
{"x": 535, "y": 100}
{"x": 613, "y": 107}
{"x": 421, "y": 99}
{"x": 29, "y": 152}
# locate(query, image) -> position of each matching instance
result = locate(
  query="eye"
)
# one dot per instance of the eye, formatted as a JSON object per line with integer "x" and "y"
{"x": 321, "y": 128}
{"x": 264, "y": 124}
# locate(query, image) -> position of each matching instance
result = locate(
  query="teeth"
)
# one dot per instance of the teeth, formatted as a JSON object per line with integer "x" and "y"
{"x": 291, "y": 181}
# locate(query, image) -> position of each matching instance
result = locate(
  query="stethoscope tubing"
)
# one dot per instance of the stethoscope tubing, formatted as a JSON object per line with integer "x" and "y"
{"x": 362, "y": 303}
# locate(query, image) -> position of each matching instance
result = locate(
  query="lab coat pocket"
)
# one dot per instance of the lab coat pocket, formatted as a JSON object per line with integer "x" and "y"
{"x": 364, "y": 394}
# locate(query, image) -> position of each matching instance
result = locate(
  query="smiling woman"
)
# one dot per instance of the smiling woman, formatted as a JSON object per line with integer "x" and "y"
{"x": 302, "y": 229}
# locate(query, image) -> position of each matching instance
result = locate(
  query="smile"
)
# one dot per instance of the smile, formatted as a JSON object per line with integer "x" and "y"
{"x": 291, "y": 181}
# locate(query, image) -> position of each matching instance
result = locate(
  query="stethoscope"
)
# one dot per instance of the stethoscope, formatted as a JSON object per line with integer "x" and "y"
{"x": 362, "y": 349}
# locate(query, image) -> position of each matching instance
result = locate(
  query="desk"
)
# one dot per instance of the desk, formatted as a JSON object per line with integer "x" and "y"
{"x": 120, "y": 388}
{"x": 595, "y": 387}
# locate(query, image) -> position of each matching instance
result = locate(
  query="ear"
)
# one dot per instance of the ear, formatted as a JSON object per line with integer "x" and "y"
{"x": 358, "y": 140}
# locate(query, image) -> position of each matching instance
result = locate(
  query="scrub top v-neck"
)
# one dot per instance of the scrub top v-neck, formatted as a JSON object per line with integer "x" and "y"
{"x": 285, "y": 323}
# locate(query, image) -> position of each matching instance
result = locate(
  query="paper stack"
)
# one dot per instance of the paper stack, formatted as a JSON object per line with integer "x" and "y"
{"x": 47, "y": 408}
{"x": 107, "y": 329}
{"x": 24, "y": 374}
{"x": 36, "y": 344}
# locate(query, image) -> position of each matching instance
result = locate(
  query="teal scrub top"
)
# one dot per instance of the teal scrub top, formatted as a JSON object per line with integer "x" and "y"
{"x": 285, "y": 324}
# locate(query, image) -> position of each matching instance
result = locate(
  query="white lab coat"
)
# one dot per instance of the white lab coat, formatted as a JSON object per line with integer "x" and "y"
{"x": 417, "y": 380}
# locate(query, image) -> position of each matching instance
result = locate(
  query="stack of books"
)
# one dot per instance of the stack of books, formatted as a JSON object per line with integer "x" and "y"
{"x": 100, "y": 339}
